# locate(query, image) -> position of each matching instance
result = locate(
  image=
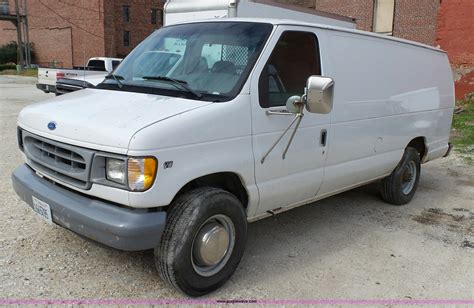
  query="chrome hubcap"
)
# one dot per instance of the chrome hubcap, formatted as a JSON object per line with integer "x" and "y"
{"x": 409, "y": 177}
{"x": 213, "y": 245}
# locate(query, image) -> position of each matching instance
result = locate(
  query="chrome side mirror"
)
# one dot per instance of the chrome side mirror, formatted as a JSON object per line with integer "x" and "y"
{"x": 319, "y": 94}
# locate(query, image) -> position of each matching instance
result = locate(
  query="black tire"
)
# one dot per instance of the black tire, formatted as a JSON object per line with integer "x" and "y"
{"x": 188, "y": 214}
{"x": 395, "y": 187}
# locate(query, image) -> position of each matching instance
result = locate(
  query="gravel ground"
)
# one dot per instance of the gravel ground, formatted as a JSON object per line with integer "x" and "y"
{"x": 348, "y": 246}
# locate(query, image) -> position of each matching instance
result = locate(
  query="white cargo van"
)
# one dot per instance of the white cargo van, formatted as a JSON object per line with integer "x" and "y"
{"x": 259, "y": 116}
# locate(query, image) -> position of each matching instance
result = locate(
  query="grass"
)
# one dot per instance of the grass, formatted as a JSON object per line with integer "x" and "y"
{"x": 32, "y": 72}
{"x": 463, "y": 130}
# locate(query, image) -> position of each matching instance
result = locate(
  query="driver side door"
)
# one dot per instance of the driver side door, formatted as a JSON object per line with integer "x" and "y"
{"x": 291, "y": 57}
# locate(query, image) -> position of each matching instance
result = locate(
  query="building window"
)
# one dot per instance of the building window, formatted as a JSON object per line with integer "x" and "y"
{"x": 126, "y": 13}
{"x": 126, "y": 38}
{"x": 383, "y": 16}
{"x": 154, "y": 16}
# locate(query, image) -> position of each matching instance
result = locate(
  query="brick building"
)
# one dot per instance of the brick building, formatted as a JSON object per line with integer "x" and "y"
{"x": 409, "y": 19}
{"x": 456, "y": 30}
{"x": 456, "y": 36}
{"x": 71, "y": 31}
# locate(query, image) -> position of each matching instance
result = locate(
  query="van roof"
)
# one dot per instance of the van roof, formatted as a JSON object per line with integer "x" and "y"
{"x": 289, "y": 22}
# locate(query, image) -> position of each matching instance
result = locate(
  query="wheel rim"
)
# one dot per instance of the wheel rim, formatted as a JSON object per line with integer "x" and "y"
{"x": 213, "y": 245}
{"x": 409, "y": 177}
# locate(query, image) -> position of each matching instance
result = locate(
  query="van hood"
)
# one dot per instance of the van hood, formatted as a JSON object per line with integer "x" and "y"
{"x": 102, "y": 119}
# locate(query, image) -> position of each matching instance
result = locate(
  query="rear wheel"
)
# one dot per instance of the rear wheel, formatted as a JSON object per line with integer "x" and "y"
{"x": 400, "y": 186}
{"x": 203, "y": 241}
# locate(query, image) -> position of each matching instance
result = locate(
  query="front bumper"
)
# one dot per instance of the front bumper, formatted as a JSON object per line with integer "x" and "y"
{"x": 46, "y": 88}
{"x": 66, "y": 85}
{"x": 106, "y": 223}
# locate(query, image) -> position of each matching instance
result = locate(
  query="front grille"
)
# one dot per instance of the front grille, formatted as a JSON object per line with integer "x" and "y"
{"x": 60, "y": 156}
{"x": 64, "y": 162}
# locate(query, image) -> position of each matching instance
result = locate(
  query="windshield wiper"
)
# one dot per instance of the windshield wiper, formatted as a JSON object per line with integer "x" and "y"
{"x": 116, "y": 78}
{"x": 176, "y": 82}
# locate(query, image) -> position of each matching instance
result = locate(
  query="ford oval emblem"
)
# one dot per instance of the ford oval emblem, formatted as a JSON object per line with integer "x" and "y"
{"x": 51, "y": 125}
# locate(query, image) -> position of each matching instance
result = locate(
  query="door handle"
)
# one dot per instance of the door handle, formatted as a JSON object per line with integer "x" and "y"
{"x": 279, "y": 111}
{"x": 323, "y": 137}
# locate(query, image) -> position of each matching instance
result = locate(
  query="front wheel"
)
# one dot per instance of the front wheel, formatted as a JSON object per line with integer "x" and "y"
{"x": 203, "y": 241}
{"x": 400, "y": 186}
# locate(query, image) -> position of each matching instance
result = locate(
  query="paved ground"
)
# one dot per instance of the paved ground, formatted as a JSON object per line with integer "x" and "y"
{"x": 348, "y": 246}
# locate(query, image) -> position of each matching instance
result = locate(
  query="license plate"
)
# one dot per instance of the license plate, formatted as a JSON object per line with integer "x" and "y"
{"x": 42, "y": 209}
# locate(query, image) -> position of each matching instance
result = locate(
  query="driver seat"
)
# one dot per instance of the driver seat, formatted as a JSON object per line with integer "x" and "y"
{"x": 224, "y": 67}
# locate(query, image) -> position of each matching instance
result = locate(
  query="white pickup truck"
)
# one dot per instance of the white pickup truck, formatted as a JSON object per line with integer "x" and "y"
{"x": 149, "y": 62}
{"x": 260, "y": 116}
{"x": 96, "y": 68}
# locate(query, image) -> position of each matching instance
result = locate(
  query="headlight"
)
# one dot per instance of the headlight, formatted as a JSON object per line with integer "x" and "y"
{"x": 141, "y": 173}
{"x": 116, "y": 170}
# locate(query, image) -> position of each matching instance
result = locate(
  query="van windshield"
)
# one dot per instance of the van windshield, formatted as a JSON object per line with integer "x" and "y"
{"x": 210, "y": 59}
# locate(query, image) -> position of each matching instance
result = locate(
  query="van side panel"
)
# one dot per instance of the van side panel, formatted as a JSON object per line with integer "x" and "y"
{"x": 386, "y": 94}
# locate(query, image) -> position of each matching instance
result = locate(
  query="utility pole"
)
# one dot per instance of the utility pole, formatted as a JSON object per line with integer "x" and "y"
{"x": 20, "y": 41}
{"x": 20, "y": 20}
{"x": 27, "y": 35}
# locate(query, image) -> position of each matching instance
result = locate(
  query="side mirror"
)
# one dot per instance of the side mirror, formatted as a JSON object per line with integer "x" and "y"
{"x": 319, "y": 94}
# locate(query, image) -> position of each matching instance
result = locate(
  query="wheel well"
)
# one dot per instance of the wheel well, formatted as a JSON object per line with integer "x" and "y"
{"x": 419, "y": 144}
{"x": 227, "y": 181}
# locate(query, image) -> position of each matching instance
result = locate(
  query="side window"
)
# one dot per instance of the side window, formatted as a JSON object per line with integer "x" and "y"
{"x": 115, "y": 63}
{"x": 294, "y": 58}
